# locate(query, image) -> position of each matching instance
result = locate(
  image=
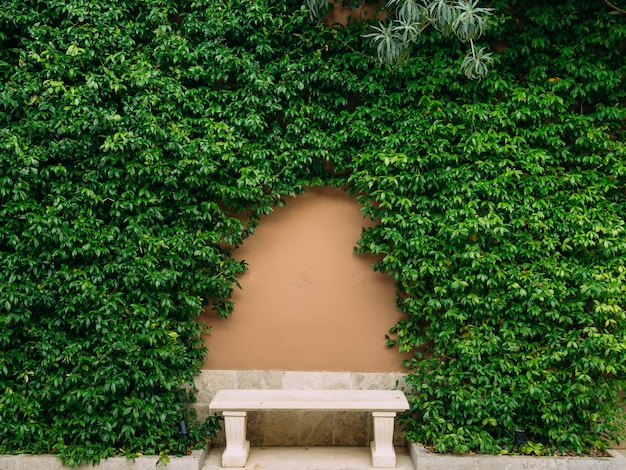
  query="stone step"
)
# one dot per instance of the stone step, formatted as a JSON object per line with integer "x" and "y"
{"x": 308, "y": 458}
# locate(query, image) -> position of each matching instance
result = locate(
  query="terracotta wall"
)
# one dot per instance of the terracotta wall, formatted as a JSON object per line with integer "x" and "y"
{"x": 343, "y": 12}
{"x": 307, "y": 302}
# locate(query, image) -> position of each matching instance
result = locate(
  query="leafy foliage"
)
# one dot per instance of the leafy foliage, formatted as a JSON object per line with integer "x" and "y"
{"x": 501, "y": 208}
{"x": 141, "y": 141}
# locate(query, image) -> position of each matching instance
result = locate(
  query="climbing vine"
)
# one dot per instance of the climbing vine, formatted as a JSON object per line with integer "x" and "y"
{"x": 139, "y": 141}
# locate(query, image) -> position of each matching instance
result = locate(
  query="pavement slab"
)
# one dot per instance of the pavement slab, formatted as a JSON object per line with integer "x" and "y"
{"x": 308, "y": 458}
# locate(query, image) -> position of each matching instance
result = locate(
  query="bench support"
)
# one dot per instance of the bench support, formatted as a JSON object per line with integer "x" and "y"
{"x": 383, "y": 453}
{"x": 237, "y": 447}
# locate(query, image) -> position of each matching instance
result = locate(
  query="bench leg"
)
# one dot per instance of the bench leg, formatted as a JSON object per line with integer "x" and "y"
{"x": 237, "y": 447}
{"x": 383, "y": 453}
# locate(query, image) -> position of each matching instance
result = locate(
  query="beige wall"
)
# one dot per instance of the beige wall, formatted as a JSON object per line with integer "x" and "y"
{"x": 307, "y": 301}
{"x": 364, "y": 11}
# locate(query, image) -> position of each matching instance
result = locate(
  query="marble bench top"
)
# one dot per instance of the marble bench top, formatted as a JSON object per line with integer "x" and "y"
{"x": 323, "y": 400}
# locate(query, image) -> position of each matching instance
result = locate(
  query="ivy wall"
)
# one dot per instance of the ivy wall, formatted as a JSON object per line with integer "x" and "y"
{"x": 136, "y": 136}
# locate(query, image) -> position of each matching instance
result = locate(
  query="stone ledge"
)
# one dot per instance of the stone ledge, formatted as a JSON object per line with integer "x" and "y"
{"x": 195, "y": 461}
{"x": 425, "y": 460}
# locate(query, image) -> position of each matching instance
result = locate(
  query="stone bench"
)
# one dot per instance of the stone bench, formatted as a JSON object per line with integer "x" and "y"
{"x": 234, "y": 405}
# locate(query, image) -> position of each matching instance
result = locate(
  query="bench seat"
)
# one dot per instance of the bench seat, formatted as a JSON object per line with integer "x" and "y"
{"x": 234, "y": 405}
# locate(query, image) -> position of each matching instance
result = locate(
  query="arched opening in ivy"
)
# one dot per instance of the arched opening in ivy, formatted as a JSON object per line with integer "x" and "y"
{"x": 307, "y": 302}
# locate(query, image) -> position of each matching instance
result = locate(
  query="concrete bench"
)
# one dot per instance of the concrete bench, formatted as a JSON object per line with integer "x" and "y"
{"x": 234, "y": 405}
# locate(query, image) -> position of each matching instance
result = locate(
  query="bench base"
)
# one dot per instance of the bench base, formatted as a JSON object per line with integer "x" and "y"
{"x": 232, "y": 459}
{"x": 237, "y": 446}
{"x": 383, "y": 453}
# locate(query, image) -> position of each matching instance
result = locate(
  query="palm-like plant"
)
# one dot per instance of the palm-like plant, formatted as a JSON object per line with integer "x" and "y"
{"x": 461, "y": 18}
{"x": 389, "y": 43}
{"x": 471, "y": 21}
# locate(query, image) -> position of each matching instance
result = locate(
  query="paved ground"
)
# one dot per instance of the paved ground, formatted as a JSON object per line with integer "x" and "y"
{"x": 308, "y": 458}
{"x": 311, "y": 458}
